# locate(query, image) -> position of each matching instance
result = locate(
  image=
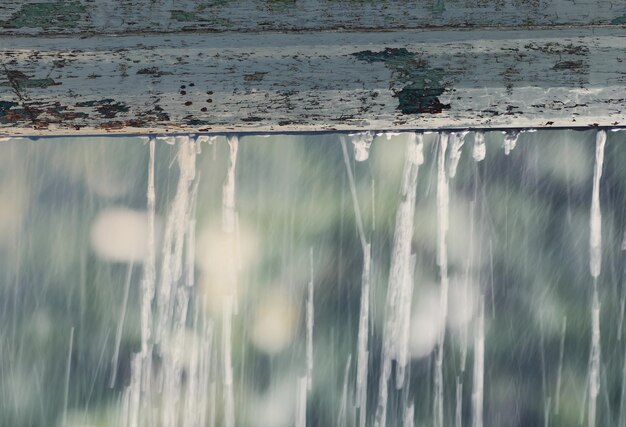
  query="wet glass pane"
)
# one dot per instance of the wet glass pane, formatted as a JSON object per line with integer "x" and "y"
{"x": 289, "y": 280}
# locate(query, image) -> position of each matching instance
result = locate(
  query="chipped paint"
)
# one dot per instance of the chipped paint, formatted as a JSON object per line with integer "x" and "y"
{"x": 558, "y": 48}
{"x": 421, "y": 85}
{"x": 107, "y": 108}
{"x": 351, "y": 81}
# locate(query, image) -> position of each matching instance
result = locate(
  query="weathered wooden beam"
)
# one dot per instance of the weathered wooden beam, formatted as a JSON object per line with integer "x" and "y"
{"x": 123, "y": 16}
{"x": 314, "y": 81}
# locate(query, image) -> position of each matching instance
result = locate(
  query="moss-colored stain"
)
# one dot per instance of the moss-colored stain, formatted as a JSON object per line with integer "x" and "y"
{"x": 182, "y": 16}
{"x": 421, "y": 84}
{"x": 19, "y": 81}
{"x": 154, "y": 72}
{"x": 64, "y": 14}
{"x": 439, "y": 7}
{"x": 280, "y": 5}
{"x": 257, "y": 76}
{"x": 620, "y": 20}
{"x": 569, "y": 65}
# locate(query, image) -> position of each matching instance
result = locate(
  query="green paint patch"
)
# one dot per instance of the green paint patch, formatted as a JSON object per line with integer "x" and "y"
{"x": 257, "y": 76}
{"x": 569, "y": 65}
{"x": 280, "y": 5}
{"x": 418, "y": 85}
{"x": 19, "y": 81}
{"x": 222, "y": 22}
{"x": 37, "y": 83}
{"x": 6, "y": 110}
{"x": 63, "y": 14}
{"x": 620, "y": 20}
{"x": 153, "y": 71}
{"x": 439, "y": 7}
{"x": 182, "y": 16}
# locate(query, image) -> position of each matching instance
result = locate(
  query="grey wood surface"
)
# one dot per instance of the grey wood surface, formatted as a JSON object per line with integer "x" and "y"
{"x": 310, "y": 82}
{"x": 123, "y": 16}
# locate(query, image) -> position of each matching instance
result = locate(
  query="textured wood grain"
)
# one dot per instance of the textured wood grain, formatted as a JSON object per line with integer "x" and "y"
{"x": 322, "y": 81}
{"x": 123, "y": 16}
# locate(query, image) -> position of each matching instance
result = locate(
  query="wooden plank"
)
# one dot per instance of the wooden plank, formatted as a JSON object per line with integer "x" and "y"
{"x": 123, "y": 16}
{"x": 322, "y": 81}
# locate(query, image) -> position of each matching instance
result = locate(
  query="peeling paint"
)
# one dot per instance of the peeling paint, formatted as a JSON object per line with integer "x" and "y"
{"x": 153, "y": 71}
{"x": 421, "y": 83}
{"x": 108, "y": 108}
{"x": 62, "y": 14}
{"x": 39, "y": 114}
{"x": 558, "y": 48}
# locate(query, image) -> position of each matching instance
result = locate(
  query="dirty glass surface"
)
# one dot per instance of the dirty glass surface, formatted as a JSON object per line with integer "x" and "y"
{"x": 428, "y": 279}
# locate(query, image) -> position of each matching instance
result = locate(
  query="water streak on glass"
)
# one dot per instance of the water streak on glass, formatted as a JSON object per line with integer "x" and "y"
{"x": 469, "y": 278}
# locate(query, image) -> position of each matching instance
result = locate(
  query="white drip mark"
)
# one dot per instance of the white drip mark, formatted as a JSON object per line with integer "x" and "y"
{"x": 309, "y": 328}
{"x": 343, "y": 408}
{"x": 301, "y": 395}
{"x": 228, "y": 191}
{"x": 622, "y": 401}
{"x": 400, "y": 264}
{"x": 229, "y": 398}
{"x": 479, "y": 367}
{"x": 594, "y": 363}
{"x": 362, "y": 142}
{"x": 362, "y": 354}
{"x": 355, "y": 200}
{"x": 480, "y": 149}
{"x": 409, "y": 415}
{"x": 595, "y": 264}
{"x": 557, "y": 400}
{"x": 172, "y": 305}
{"x": 363, "y": 333}
{"x": 458, "y": 411}
{"x": 595, "y": 225}
{"x": 149, "y": 273}
{"x": 68, "y": 369}
{"x": 510, "y": 141}
{"x": 120, "y": 326}
{"x": 403, "y": 325}
{"x": 457, "y": 139}
{"x": 442, "y": 261}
